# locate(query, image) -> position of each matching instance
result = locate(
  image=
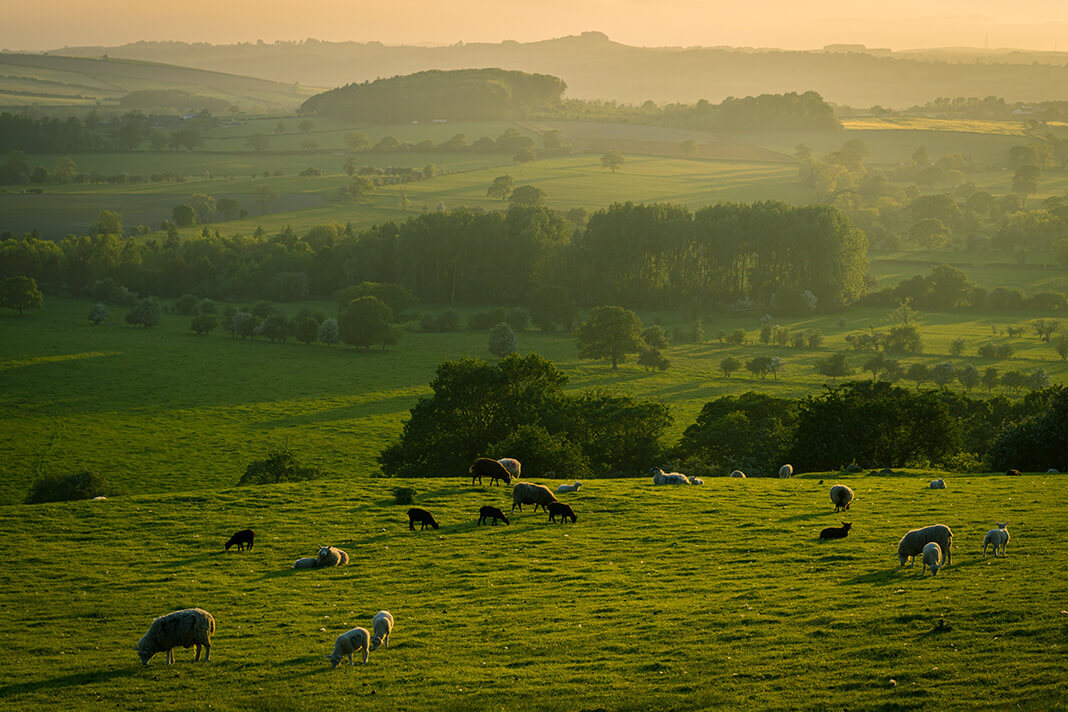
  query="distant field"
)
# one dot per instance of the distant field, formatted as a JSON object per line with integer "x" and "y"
{"x": 714, "y": 598}
{"x": 1041, "y": 273}
{"x": 165, "y": 410}
{"x": 916, "y": 123}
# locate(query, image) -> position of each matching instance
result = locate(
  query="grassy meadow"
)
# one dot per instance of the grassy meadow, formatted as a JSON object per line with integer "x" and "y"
{"x": 700, "y": 598}
{"x": 166, "y": 410}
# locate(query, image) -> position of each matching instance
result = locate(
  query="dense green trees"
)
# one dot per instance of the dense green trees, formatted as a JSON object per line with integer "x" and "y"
{"x": 366, "y": 321}
{"x": 20, "y": 293}
{"x": 751, "y": 432}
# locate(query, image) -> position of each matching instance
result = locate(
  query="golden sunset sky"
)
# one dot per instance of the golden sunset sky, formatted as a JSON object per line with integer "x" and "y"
{"x": 791, "y": 24}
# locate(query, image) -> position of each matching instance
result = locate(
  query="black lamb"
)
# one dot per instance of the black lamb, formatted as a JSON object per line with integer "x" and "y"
{"x": 563, "y": 510}
{"x": 490, "y": 468}
{"x": 836, "y": 532}
{"x": 415, "y": 514}
{"x": 243, "y": 538}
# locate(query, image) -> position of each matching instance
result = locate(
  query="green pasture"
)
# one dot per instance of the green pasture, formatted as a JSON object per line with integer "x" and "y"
{"x": 1041, "y": 272}
{"x": 717, "y": 597}
{"x": 165, "y": 410}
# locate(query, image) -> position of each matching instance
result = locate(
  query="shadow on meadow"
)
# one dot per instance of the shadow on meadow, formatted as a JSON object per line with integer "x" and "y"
{"x": 74, "y": 680}
{"x": 379, "y": 406}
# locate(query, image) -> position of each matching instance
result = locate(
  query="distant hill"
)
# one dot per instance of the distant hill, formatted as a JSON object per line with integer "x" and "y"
{"x": 441, "y": 95}
{"x": 594, "y": 67}
{"x": 56, "y": 81}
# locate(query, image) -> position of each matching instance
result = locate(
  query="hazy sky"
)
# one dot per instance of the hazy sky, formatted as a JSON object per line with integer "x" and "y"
{"x": 792, "y": 24}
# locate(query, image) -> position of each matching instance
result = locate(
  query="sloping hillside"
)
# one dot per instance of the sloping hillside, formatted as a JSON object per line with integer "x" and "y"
{"x": 48, "y": 80}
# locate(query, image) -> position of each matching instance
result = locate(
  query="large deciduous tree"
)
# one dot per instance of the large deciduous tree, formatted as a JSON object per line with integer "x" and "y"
{"x": 366, "y": 321}
{"x": 609, "y": 332}
{"x": 20, "y": 293}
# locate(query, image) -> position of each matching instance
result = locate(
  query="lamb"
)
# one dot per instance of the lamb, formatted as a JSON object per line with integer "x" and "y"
{"x": 568, "y": 488}
{"x": 191, "y": 627}
{"x": 493, "y": 513}
{"x": 348, "y": 643}
{"x": 738, "y": 473}
{"x": 696, "y": 481}
{"x": 911, "y": 545}
{"x": 415, "y": 514}
{"x": 308, "y": 562}
{"x": 998, "y": 538}
{"x": 530, "y": 493}
{"x": 490, "y": 468}
{"x": 562, "y": 510}
{"x": 841, "y": 497}
{"x": 932, "y": 556}
{"x": 243, "y": 538}
{"x": 330, "y": 556}
{"x": 382, "y": 625}
{"x": 937, "y": 484}
{"x": 836, "y": 532}
{"x": 786, "y": 472}
{"x": 513, "y": 466}
{"x": 668, "y": 478}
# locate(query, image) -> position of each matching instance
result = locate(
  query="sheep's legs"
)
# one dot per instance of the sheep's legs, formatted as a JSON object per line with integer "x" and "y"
{"x": 170, "y": 656}
{"x": 196, "y": 648}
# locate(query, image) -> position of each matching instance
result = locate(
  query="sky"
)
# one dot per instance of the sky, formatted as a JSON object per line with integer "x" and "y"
{"x": 788, "y": 24}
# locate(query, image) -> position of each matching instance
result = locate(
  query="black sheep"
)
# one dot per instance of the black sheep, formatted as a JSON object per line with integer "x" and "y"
{"x": 422, "y": 516}
{"x": 836, "y": 532}
{"x": 493, "y": 513}
{"x": 490, "y": 468}
{"x": 563, "y": 510}
{"x": 243, "y": 538}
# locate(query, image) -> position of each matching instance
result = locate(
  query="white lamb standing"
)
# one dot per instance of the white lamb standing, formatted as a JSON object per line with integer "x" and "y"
{"x": 998, "y": 538}
{"x": 348, "y": 643}
{"x": 911, "y": 545}
{"x": 932, "y": 557}
{"x": 191, "y": 627}
{"x": 382, "y": 625}
{"x": 568, "y": 488}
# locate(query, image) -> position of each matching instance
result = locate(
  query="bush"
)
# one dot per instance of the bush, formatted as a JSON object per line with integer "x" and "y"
{"x": 403, "y": 495}
{"x": 483, "y": 321}
{"x": 187, "y": 305}
{"x": 280, "y": 466}
{"x": 146, "y": 313}
{"x": 502, "y": 340}
{"x": 655, "y": 336}
{"x": 99, "y": 313}
{"x": 64, "y": 488}
{"x": 204, "y": 324}
{"x": 448, "y": 320}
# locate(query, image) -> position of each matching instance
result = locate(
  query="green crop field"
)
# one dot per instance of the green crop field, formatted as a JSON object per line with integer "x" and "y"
{"x": 165, "y": 410}
{"x": 717, "y": 597}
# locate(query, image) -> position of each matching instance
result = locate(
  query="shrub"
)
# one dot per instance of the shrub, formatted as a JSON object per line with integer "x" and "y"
{"x": 146, "y": 313}
{"x": 655, "y": 336}
{"x": 448, "y": 320}
{"x": 403, "y": 495}
{"x": 328, "y": 332}
{"x": 98, "y": 314}
{"x": 64, "y": 488}
{"x": 483, "y": 321}
{"x": 651, "y": 358}
{"x": 517, "y": 318}
{"x": 187, "y": 305}
{"x": 204, "y": 324}
{"x": 502, "y": 340}
{"x": 280, "y": 466}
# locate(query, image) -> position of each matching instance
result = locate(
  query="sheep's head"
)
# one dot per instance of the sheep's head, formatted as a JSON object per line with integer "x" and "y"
{"x": 847, "y": 525}
{"x": 1002, "y": 526}
{"x": 324, "y": 551}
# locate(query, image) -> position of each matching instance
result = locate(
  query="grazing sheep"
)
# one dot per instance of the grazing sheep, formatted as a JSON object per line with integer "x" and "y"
{"x": 308, "y": 562}
{"x": 668, "y": 478}
{"x": 786, "y": 472}
{"x": 382, "y": 625}
{"x": 415, "y": 514}
{"x": 696, "y": 481}
{"x": 513, "y": 466}
{"x": 490, "y": 468}
{"x": 243, "y": 538}
{"x": 348, "y": 643}
{"x": 191, "y": 627}
{"x": 837, "y": 532}
{"x": 1013, "y": 473}
{"x": 1050, "y": 471}
{"x": 937, "y": 484}
{"x": 998, "y": 538}
{"x": 932, "y": 556}
{"x": 330, "y": 556}
{"x": 562, "y": 510}
{"x": 493, "y": 513}
{"x": 568, "y": 488}
{"x": 738, "y": 473}
{"x": 841, "y": 497}
{"x": 911, "y": 545}
{"x": 530, "y": 493}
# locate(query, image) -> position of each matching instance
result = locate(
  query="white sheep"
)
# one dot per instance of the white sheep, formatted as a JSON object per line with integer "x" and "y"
{"x": 308, "y": 562}
{"x": 530, "y": 493}
{"x": 841, "y": 497}
{"x": 382, "y": 625}
{"x": 513, "y": 466}
{"x": 998, "y": 538}
{"x": 668, "y": 478}
{"x": 738, "y": 473}
{"x": 937, "y": 484}
{"x": 191, "y": 627}
{"x": 911, "y": 545}
{"x": 331, "y": 556}
{"x": 568, "y": 488}
{"x": 696, "y": 481}
{"x": 786, "y": 472}
{"x": 348, "y": 643}
{"x": 932, "y": 557}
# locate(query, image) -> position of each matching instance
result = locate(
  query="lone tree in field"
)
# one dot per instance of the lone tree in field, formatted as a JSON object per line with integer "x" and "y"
{"x": 259, "y": 142}
{"x": 501, "y": 187}
{"x": 612, "y": 160}
{"x": 366, "y": 321}
{"x": 1025, "y": 181}
{"x": 20, "y": 293}
{"x": 502, "y": 340}
{"x": 146, "y": 313}
{"x": 834, "y": 367}
{"x": 729, "y": 365}
{"x": 280, "y": 466}
{"x": 1045, "y": 328}
{"x": 98, "y": 314}
{"x": 609, "y": 332}
{"x": 527, "y": 196}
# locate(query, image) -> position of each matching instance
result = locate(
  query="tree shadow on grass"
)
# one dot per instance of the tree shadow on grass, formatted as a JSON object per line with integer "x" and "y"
{"x": 382, "y": 406}
{"x": 806, "y": 516}
{"x": 57, "y": 683}
{"x": 883, "y": 576}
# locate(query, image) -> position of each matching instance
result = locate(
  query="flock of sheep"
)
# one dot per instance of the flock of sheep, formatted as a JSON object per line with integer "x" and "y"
{"x": 193, "y": 627}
